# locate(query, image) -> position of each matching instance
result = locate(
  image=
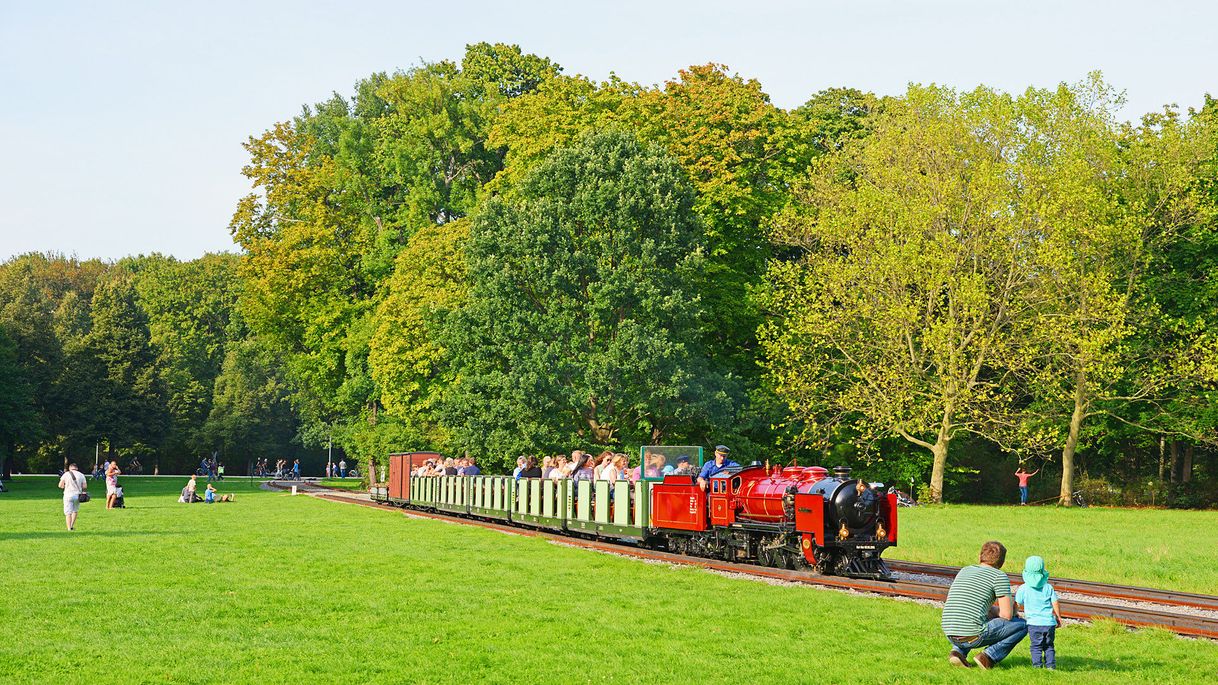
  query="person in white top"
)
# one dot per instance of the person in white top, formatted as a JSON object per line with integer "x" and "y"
{"x": 73, "y": 483}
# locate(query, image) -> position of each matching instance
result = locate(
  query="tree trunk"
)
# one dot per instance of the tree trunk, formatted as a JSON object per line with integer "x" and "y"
{"x": 1186, "y": 474}
{"x": 1162, "y": 462}
{"x": 1065, "y": 497}
{"x": 1175, "y": 460}
{"x": 939, "y": 450}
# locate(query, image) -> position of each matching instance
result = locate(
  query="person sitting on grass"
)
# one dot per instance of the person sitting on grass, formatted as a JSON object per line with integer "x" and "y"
{"x": 968, "y": 620}
{"x": 1038, "y": 601}
{"x": 210, "y": 496}
{"x": 188, "y": 492}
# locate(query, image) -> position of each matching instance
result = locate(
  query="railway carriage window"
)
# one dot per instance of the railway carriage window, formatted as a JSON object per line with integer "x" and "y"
{"x": 736, "y": 484}
{"x": 657, "y": 461}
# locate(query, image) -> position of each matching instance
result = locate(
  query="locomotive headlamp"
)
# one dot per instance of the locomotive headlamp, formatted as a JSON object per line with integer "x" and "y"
{"x": 844, "y": 532}
{"x": 880, "y": 533}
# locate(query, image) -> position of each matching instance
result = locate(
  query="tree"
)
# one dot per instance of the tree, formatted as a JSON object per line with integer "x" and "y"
{"x": 190, "y": 311}
{"x": 408, "y": 354}
{"x": 250, "y": 416}
{"x": 130, "y": 398}
{"x": 897, "y": 320}
{"x": 739, "y": 152}
{"x": 1107, "y": 200}
{"x": 44, "y": 304}
{"x": 581, "y": 324}
{"x": 18, "y": 420}
{"x": 343, "y": 188}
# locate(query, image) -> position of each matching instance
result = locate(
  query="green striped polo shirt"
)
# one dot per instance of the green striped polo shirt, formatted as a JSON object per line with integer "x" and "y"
{"x": 970, "y": 597}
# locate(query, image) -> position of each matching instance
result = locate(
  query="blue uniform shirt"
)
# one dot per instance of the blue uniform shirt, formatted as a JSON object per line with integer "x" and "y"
{"x": 710, "y": 468}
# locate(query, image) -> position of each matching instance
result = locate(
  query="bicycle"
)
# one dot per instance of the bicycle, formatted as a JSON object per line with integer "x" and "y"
{"x": 1078, "y": 499}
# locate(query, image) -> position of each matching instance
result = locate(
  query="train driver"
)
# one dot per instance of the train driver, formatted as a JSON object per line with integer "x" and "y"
{"x": 710, "y": 468}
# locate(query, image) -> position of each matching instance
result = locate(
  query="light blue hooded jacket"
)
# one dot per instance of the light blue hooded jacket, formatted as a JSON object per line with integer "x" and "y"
{"x": 1036, "y": 594}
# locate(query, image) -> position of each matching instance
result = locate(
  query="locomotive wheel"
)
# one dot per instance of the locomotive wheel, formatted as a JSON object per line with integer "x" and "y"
{"x": 796, "y": 562}
{"x": 771, "y": 557}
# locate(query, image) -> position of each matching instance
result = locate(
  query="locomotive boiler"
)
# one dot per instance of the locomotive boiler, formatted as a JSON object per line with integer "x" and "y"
{"x": 802, "y": 516}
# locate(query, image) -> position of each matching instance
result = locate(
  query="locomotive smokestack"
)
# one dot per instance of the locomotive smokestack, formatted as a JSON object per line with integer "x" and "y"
{"x": 841, "y": 472}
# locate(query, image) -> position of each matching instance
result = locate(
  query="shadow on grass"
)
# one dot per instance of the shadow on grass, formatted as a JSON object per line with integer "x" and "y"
{"x": 1082, "y": 664}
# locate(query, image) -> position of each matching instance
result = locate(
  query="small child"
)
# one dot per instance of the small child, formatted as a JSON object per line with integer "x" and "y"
{"x": 210, "y": 497}
{"x": 1038, "y": 601}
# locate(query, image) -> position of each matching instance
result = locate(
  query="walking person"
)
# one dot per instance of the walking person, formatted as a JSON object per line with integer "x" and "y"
{"x": 342, "y": 468}
{"x": 112, "y": 475}
{"x": 969, "y": 620}
{"x": 296, "y": 470}
{"x": 220, "y": 471}
{"x": 74, "y": 484}
{"x": 1023, "y": 477}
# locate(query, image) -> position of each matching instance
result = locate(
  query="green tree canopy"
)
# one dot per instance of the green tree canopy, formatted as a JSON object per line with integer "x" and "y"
{"x": 582, "y": 324}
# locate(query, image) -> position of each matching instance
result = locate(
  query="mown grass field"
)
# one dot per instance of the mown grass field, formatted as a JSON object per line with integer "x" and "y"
{"x": 275, "y": 588}
{"x": 345, "y": 483}
{"x": 1176, "y": 550}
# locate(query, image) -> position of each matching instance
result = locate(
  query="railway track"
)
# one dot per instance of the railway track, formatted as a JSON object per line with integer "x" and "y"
{"x": 1135, "y": 607}
{"x": 1079, "y": 587}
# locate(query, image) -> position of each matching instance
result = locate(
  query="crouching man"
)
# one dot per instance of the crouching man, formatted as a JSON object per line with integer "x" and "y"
{"x": 969, "y": 620}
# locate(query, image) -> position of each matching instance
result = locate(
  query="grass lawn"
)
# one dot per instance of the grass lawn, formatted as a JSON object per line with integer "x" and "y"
{"x": 275, "y": 588}
{"x": 1175, "y": 550}
{"x": 345, "y": 483}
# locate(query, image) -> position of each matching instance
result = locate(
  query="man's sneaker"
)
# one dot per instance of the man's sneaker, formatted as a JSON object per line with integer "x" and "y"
{"x": 983, "y": 660}
{"x": 958, "y": 659}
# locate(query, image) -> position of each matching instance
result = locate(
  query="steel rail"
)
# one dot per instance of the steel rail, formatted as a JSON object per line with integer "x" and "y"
{"x": 1139, "y": 617}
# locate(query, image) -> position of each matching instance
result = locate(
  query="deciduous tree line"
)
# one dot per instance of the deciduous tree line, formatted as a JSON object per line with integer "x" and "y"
{"x": 146, "y": 359}
{"x": 495, "y": 257}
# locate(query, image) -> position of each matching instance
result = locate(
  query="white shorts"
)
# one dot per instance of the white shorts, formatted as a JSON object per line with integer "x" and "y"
{"x": 71, "y": 504}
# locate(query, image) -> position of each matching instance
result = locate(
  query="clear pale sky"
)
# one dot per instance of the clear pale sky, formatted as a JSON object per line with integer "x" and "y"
{"x": 121, "y": 123}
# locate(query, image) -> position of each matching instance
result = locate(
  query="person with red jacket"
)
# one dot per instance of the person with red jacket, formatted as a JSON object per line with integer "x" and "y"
{"x": 1023, "y": 477}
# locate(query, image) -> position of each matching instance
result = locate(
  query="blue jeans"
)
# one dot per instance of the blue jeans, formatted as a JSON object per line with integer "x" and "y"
{"x": 999, "y": 635}
{"x": 1023, "y": 495}
{"x": 1041, "y": 638}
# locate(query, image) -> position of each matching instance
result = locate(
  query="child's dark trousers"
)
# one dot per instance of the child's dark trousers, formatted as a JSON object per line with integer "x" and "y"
{"x": 1041, "y": 638}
